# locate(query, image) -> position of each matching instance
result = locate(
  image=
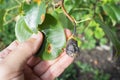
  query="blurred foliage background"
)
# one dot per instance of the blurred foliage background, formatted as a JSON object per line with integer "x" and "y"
{"x": 89, "y": 31}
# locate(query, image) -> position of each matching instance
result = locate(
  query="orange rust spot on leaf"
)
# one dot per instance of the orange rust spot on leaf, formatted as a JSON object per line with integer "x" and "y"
{"x": 37, "y": 1}
{"x": 49, "y": 49}
{"x": 42, "y": 17}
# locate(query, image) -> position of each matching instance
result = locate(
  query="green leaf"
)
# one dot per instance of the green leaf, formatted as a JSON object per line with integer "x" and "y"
{"x": 2, "y": 11}
{"x": 99, "y": 33}
{"x": 103, "y": 41}
{"x": 55, "y": 38}
{"x": 1, "y": 1}
{"x": 66, "y": 23}
{"x": 88, "y": 33}
{"x": 22, "y": 31}
{"x": 116, "y": 10}
{"x": 26, "y": 7}
{"x": 111, "y": 35}
{"x": 113, "y": 11}
{"x": 109, "y": 11}
{"x": 35, "y": 16}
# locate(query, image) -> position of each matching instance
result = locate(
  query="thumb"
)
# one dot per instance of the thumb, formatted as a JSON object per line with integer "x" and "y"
{"x": 24, "y": 51}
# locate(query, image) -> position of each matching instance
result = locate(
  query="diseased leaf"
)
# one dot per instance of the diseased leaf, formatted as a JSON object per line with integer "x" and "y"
{"x": 35, "y": 16}
{"x": 22, "y": 31}
{"x": 55, "y": 38}
{"x": 111, "y": 35}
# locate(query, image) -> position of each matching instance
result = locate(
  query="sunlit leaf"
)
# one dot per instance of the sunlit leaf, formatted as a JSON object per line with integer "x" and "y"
{"x": 35, "y": 16}
{"x": 22, "y": 31}
{"x": 88, "y": 33}
{"x": 99, "y": 33}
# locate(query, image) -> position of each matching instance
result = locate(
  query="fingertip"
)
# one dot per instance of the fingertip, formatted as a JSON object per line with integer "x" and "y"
{"x": 67, "y": 33}
{"x": 39, "y": 35}
{"x": 40, "y": 40}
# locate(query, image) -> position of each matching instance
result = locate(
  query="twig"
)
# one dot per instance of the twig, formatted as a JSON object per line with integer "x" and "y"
{"x": 83, "y": 20}
{"x": 10, "y": 9}
{"x": 87, "y": 9}
{"x": 9, "y": 21}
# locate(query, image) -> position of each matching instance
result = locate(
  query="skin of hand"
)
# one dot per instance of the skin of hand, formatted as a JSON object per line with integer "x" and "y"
{"x": 18, "y": 63}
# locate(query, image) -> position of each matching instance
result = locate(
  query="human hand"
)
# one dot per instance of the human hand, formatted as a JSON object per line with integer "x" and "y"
{"x": 18, "y": 63}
